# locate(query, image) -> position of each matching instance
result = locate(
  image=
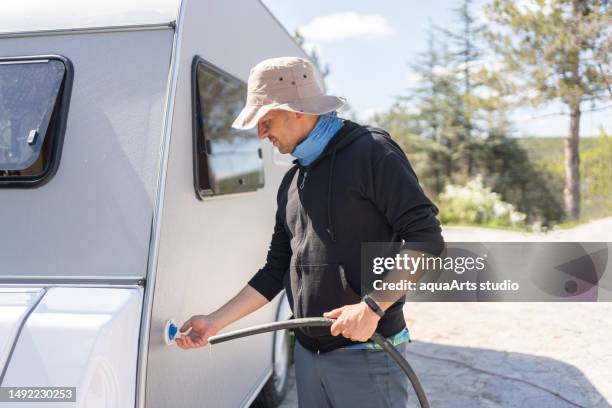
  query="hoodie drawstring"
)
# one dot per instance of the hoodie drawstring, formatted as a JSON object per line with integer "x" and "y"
{"x": 330, "y": 224}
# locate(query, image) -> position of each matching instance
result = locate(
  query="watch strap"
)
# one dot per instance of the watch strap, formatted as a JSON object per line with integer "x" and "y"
{"x": 373, "y": 305}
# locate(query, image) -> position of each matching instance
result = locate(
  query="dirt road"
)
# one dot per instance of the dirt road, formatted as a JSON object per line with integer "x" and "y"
{"x": 512, "y": 354}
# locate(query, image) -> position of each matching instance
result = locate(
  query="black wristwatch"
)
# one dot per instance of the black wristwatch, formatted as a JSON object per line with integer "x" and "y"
{"x": 373, "y": 305}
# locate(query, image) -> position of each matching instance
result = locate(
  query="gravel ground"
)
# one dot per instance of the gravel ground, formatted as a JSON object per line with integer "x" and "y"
{"x": 512, "y": 354}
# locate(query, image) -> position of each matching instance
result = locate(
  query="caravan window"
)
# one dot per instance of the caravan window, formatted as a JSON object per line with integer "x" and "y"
{"x": 32, "y": 95}
{"x": 226, "y": 160}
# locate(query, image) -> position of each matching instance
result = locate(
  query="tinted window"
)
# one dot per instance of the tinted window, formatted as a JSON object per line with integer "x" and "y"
{"x": 227, "y": 160}
{"x": 30, "y": 99}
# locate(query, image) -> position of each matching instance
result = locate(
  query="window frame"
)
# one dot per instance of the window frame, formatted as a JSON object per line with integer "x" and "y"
{"x": 61, "y": 110}
{"x": 197, "y": 130}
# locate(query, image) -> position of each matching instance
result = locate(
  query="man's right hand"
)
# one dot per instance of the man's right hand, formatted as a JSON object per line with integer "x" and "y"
{"x": 205, "y": 326}
{"x": 202, "y": 327}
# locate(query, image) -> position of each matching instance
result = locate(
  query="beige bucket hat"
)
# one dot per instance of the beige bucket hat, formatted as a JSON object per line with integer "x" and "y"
{"x": 287, "y": 83}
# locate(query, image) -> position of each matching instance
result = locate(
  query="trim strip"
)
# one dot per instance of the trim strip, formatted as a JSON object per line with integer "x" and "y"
{"x": 62, "y": 280}
{"x": 89, "y": 30}
{"x": 256, "y": 390}
{"x": 147, "y": 304}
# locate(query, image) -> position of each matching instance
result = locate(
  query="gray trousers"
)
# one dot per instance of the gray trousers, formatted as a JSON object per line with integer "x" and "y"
{"x": 350, "y": 378}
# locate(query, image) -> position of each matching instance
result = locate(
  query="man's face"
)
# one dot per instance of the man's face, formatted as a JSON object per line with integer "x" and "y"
{"x": 284, "y": 129}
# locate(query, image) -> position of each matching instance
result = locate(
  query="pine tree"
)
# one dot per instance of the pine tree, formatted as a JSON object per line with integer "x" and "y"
{"x": 443, "y": 117}
{"x": 556, "y": 50}
{"x": 435, "y": 100}
{"x": 462, "y": 59}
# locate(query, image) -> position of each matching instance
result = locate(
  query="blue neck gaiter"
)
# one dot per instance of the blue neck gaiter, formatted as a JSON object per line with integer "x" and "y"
{"x": 310, "y": 148}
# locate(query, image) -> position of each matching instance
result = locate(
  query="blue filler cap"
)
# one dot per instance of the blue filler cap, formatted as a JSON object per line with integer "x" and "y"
{"x": 172, "y": 330}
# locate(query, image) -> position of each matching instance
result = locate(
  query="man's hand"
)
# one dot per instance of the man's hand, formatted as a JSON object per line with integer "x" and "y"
{"x": 356, "y": 322}
{"x": 205, "y": 326}
{"x": 202, "y": 327}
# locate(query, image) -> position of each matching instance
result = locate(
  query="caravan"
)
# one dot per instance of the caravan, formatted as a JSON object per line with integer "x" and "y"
{"x": 127, "y": 199}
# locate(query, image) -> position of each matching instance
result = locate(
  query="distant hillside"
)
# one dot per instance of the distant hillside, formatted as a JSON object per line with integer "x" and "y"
{"x": 551, "y": 148}
{"x": 547, "y": 153}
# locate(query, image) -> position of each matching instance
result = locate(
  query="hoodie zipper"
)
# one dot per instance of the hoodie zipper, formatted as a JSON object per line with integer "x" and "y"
{"x": 299, "y": 251}
{"x": 303, "y": 180}
{"x": 299, "y": 290}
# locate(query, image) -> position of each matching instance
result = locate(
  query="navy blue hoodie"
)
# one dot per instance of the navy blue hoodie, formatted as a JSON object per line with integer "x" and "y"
{"x": 361, "y": 188}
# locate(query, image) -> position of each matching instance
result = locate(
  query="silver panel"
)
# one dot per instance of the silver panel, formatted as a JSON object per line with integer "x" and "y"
{"x": 208, "y": 250}
{"x": 93, "y": 219}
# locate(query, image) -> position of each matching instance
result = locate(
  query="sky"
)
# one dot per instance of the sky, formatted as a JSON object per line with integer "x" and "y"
{"x": 369, "y": 46}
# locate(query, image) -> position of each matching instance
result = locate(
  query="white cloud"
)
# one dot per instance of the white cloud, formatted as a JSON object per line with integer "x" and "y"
{"x": 488, "y": 62}
{"x": 486, "y": 92}
{"x": 412, "y": 109}
{"x": 533, "y": 6}
{"x": 443, "y": 70}
{"x": 482, "y": 17}
{"x": 520, "y": 98}
{"x": 341, "y": 26}
{"x": 365, "y": 115}
{"x": 310, "y": 47}
{"x": 413, "y": 78}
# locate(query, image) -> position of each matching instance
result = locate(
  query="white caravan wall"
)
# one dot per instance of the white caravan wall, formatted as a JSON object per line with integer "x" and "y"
{"x": 93, "y": 218}
{"x": 208, "y": 250}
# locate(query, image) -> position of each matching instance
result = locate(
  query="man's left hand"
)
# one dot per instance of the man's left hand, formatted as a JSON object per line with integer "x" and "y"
{"x": 356, "y": 322}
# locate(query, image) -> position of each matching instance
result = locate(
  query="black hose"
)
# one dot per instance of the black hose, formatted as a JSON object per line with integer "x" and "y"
{"x": 322, "y": 321}
{"x": 403, "y": 363}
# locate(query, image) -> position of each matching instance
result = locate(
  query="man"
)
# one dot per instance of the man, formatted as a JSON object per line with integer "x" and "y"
{"x": 350, "y": 184}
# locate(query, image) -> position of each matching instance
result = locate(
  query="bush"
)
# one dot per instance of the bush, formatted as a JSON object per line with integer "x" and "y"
{"x": 596, "y": 174}
{"x": 508, "y": 169}
{"x": 476, "y": 204}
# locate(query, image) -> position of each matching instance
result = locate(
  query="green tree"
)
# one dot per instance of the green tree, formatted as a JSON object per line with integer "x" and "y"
{"x": 462, "y": 58}
{"x": 480, "y": 106}
{"x": 509, "y": 171}
{"x": 436, "y": 124}
{"x": 438, "y": 115}
{"x": 556, "y": 50}
{"x": 403, "y": 125}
